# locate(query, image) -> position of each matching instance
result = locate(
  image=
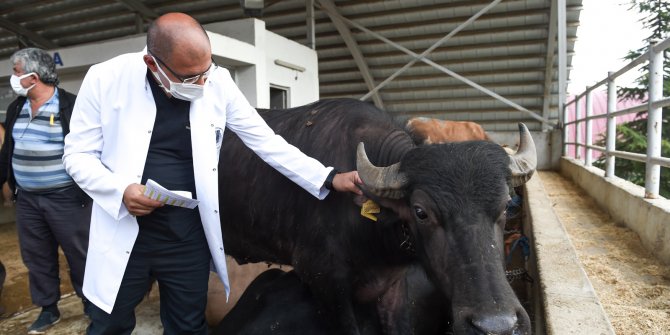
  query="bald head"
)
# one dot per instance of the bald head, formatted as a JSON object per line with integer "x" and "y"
{"x": 178, "y": 36}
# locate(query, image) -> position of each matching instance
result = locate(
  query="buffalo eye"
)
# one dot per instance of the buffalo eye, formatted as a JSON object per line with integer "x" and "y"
{"x": 420, "y": 213}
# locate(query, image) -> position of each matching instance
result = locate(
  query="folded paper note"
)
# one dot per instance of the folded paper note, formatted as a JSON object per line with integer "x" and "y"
{"x": 155, "y": 191}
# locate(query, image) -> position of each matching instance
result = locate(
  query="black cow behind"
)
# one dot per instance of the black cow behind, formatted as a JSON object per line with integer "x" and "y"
{"x": 279, "y": 303}
{"x": 442, "y": 206}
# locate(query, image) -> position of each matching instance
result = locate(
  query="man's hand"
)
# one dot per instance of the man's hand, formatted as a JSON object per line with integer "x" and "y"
{"x": 348, "y": 182}
{"x": 137, "y": 203}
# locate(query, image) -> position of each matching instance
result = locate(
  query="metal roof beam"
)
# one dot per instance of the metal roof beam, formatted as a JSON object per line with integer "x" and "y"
{"x": 136, "y": 6}
{"x": 334, "y": 66}
{"x": 29, "y": 34}
{"x": 535, "y": 42}
{"x": 427, "y": 51}
{"x": 415, "y": 7}
{"x": 422, "y": 57}
{"x": 379, "y": 27}
{"x": 329, "y": 8}
{"x": 463, "y": 39}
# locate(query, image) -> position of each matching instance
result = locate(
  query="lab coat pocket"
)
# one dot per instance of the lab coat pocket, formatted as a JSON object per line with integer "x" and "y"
{"x": 103, "y": 230}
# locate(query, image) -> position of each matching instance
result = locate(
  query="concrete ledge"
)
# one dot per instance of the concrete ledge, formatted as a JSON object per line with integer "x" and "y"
{"x": 565, "y": 301}
{"x": 625, "y": 202}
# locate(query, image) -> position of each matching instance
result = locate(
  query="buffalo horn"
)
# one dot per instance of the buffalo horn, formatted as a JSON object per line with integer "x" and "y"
{"x": 386, "y": 182}
{"x": 524, "y": 161}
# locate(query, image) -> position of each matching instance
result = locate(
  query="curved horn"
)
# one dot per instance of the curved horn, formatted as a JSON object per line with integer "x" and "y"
{"x": 384, "y": 182}
{"x": 524, "y": 161}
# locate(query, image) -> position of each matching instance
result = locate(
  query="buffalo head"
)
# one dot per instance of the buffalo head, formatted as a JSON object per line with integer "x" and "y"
{"x": 453, "y": 198}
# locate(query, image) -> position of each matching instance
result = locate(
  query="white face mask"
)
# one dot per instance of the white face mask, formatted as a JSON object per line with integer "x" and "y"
{"x": 188, "y": 92}
{"x": 15, "y": 81}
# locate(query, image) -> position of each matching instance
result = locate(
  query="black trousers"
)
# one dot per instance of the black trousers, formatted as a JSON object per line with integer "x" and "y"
{"x": 182, "y": 271}
{"x": 3, "y": 275}
{"x": 45, "y": 221}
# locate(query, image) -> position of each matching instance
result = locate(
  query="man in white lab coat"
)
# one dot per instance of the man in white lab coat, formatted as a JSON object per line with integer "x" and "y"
{"x": 158, "y": 114}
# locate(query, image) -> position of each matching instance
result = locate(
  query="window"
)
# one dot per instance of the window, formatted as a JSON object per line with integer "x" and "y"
{"x": 278, "y": 97}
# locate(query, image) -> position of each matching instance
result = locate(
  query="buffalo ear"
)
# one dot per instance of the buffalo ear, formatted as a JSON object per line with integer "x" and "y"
{"x": 398, "y": 206}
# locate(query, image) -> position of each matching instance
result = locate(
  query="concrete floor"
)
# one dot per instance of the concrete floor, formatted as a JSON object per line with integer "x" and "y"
{"x": 632, "y": 285}
{"x": 19, "y": 312}
{"x": 73, "y": 321}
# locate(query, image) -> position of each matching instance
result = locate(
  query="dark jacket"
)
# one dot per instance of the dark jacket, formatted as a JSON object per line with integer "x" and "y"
{"x": 65, "y": 105}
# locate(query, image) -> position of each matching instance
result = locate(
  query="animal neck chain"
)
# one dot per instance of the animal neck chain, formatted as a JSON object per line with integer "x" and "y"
{"x": 519, "y": 273}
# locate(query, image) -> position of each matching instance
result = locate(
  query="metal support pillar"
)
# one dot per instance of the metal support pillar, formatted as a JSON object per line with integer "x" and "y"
{"x": 654, "y": 123}
{"x": 566, "y": 129}
{"x": 562, "y": 53}
{"x": 311, "y": 27}
{"x": 610, "y": 145}
{"x": 578, "y": 130}
{"x": 139, "y": 23}
{"x": 588, "y": 152}
{"x": 549, "y": 65}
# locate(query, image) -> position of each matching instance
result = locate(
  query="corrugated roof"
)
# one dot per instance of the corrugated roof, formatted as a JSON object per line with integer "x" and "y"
{"x": 504, "y": 50}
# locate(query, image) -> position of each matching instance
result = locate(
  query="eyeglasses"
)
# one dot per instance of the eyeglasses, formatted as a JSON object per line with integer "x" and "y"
{"x": 189, "y": 80}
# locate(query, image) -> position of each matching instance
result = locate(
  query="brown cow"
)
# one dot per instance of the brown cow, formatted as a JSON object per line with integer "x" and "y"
{"x": 433, "y": 131}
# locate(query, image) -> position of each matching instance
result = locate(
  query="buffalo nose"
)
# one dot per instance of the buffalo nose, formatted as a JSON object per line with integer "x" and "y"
{"x": 495, "y": 324}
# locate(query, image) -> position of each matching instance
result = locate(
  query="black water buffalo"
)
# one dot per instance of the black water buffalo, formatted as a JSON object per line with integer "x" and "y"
{"x": 275, "y": 302}
{"x": 279, "y": 303}
{"x": 441, "y": 206}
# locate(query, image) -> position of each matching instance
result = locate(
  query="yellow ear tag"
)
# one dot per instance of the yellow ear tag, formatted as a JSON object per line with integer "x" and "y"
{"x": 51, "y": 119}
{"x": 368, "y": 210}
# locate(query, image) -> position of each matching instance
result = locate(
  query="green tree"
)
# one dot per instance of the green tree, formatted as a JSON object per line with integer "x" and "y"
{"x": 631, "y": 136}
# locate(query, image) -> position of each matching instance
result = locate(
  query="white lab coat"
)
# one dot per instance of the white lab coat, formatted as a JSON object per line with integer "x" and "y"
{"x": 107, "y": 146}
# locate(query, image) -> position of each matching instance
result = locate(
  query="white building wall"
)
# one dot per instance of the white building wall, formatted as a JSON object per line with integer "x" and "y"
{"x": 255, "y": 67}
{"x": 300, "y": 84}
{"x": 242, "y": 46}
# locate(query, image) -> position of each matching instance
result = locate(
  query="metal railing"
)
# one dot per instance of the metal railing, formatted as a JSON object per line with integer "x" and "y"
{"x": 653, "y": 106}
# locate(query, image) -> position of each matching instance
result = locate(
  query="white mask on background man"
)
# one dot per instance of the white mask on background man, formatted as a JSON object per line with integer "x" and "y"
{"x": 188, "y": 92}
{"x": 15, "y": 81}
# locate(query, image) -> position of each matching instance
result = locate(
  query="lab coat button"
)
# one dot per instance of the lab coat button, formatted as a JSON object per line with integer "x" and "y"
{"x": 149, "y": 131}
{"x": 215, "y": 211}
